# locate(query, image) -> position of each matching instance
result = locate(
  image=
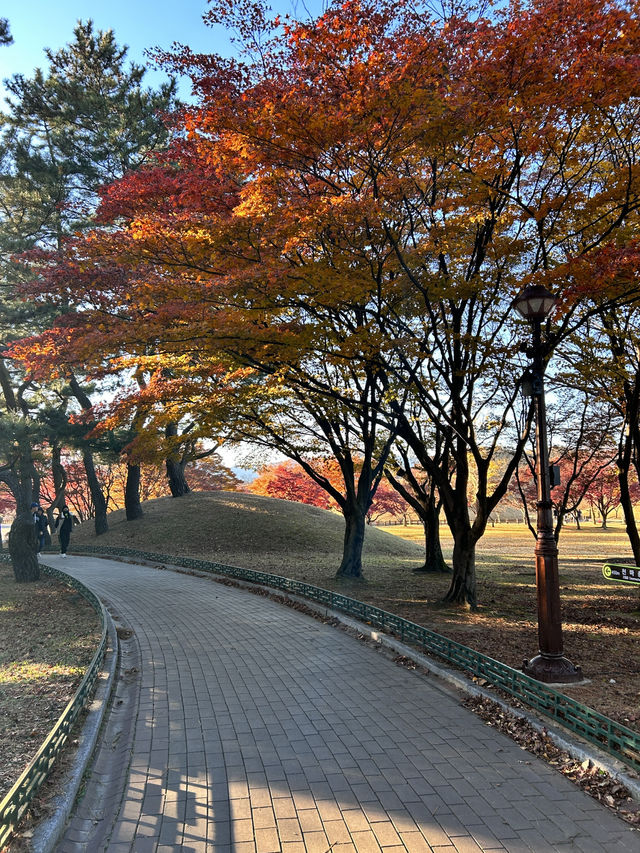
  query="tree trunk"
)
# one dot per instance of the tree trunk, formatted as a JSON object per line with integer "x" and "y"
{"x": 463, "y": 583}
{"x": 97, "y": 496}
{"x": 23, "y": 544}
{"x": 626, "y": 501}
{"x": 177, "y": 481}
{"x": 132, "y": 505}
{"x": 421, "y": 497}
{"x": 355, "y": 523}
{"x": 178, "y": 485}
{"x": 59, "y": 476}
{"x": 59, "y": 480}
{"x": 434, "y": 560}
{"x": 23, "y": 538}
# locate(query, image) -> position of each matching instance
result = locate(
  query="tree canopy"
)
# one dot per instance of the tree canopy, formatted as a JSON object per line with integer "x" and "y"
{"x": 345, "y": 218}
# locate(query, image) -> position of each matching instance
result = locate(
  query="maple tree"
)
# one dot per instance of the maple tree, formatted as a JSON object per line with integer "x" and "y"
{"x": 113, "y": 482}
{"x": 386, "y": 501}
{"x": 183, "y": 449}
{"x": 603, "y": 496}
{"x": 604, "y": 359}
{"x": 600, "y": 363}
{"x": 519, "y": 201}
{"x": 210, "y": 474}
{"x": 347, "y": 217}
{"x": 419, "y": 492}
{"x": 340, "y": 444}
{"x": 287, "y": 480}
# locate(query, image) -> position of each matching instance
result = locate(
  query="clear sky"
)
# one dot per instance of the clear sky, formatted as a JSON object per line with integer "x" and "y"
{"x": 140, "y": 24}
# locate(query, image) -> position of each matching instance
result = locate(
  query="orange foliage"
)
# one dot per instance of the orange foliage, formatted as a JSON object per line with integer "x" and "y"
{"x": 366, "y": 193}
{"x": 288, "y": 481}
{"x": 210, "y": 475}
{"x": 304, "y": 178}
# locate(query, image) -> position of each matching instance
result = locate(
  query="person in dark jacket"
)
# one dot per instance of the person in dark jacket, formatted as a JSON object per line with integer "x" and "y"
{"x": 42, "y": 523}
{"x": 65, "y": 522}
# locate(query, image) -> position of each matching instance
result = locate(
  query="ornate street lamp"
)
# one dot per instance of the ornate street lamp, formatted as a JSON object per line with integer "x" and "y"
{"x": 534, "y": 304}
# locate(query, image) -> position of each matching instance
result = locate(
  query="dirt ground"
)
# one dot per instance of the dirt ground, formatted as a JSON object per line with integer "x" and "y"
{"x": 48, "y": 636}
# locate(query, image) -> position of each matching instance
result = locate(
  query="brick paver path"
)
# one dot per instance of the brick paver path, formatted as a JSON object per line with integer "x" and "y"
{"x": 249, "y": 726}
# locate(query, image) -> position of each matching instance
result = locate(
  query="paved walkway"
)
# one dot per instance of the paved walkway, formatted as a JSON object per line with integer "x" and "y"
{"x": 242, "y": 725}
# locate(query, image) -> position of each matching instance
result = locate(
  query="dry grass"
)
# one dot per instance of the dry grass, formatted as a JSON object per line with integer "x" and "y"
{"x": 601, "y": 618}
{"x": 48, "y": 636}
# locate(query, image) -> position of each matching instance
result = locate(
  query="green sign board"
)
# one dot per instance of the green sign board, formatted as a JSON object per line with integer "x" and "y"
{"x": 620, "y": 572}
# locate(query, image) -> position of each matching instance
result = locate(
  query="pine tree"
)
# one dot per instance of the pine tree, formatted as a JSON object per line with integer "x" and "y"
{"x": 83, "y": 122}
{"x": 5, "y": 34}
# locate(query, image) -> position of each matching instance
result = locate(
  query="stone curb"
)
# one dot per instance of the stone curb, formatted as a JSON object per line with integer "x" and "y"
{"x": 48, "y": 831}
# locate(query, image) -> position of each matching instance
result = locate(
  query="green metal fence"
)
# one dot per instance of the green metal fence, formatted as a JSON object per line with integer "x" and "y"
{"x": 20, "y": 796}
{"x": 609, "y": 735}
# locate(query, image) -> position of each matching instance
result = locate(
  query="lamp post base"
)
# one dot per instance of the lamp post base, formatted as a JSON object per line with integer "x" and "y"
{"x": 552, "y": 669}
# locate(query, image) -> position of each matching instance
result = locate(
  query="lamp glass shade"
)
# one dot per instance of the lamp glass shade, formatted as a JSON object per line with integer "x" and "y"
{"x": 534, "y": 302}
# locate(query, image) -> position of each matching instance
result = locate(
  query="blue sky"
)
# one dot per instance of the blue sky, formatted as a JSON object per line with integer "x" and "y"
{"x": 140, "y": 24}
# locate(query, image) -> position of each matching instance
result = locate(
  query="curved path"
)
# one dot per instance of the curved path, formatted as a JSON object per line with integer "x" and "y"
{"x": 242, "y": 725}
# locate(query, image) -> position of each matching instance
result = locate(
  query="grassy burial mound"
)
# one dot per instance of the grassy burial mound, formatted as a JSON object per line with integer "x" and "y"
{"x": 267, "y": 534}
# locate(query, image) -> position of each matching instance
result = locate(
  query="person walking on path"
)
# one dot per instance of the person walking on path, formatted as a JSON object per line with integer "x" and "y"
{"x": 65, "y": 521}
{"x": 42, "y": 523}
